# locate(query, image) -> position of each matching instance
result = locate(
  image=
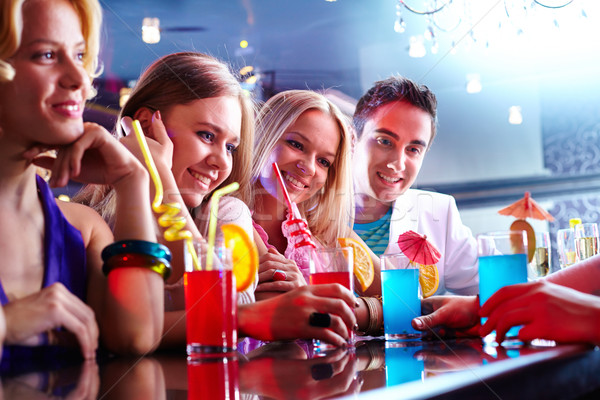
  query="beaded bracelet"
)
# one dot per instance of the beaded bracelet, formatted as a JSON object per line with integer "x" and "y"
{"x": 159, "y": 265}
{"x": 136, "y": 246}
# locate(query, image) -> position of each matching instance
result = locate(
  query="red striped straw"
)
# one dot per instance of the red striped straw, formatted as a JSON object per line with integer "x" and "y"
{"x": 285, "y": 192}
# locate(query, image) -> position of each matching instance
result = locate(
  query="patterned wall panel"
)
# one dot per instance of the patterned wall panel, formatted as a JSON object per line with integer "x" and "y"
{"x": 571, "y": 140}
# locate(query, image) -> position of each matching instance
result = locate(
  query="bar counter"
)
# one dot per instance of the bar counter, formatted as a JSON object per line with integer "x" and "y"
{"x": 373, "y": 369}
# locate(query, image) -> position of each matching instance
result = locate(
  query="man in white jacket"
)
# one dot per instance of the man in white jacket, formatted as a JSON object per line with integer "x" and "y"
{"x": 395, "y": 123}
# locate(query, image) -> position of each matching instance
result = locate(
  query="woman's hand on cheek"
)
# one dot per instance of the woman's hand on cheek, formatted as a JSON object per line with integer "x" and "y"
{"x": 159, "y": 143}
{"x": 95, "y": 157}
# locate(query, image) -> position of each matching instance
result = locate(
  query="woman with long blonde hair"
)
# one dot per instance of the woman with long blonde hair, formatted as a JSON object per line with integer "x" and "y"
{"x": 326, "y": 202}
{"x": 51, "y": 277}
{"x": 311, "y": 142}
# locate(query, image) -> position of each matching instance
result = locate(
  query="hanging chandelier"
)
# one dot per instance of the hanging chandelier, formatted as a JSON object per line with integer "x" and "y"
{"x": 468, "y": 22}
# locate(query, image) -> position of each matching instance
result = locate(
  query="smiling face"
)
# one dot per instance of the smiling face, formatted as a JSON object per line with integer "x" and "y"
{"x": 304, "y": 154}
{"x": 205, "y": 133}
{"x": 390, "y": 152}
{"x": 44, "y": 102}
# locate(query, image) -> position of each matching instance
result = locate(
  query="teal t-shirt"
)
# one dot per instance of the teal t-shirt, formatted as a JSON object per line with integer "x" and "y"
{"x": 376, "y": 234}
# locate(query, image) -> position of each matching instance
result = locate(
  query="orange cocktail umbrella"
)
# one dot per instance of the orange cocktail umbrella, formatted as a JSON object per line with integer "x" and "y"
{"x": 526, "y": 208}
{"x": 417, "y": 249}
{"x": 522, "y": 209}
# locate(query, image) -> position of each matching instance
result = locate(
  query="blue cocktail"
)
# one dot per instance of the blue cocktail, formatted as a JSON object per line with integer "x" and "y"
{"x": 502, "y": 262}
{"x": 401, "y": 299}
{"x": 498, "y": 271}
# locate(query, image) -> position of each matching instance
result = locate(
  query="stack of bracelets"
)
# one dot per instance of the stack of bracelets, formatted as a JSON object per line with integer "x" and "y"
{"x": 137, "y": 253}
{"x": 375, "y": 328}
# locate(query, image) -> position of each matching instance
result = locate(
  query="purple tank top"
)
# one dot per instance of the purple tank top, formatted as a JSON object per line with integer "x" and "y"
{"x": 64, "y": 249}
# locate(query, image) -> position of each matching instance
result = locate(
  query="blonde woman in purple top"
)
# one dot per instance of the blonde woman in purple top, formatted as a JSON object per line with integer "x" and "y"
{"x": 51, "y": 274}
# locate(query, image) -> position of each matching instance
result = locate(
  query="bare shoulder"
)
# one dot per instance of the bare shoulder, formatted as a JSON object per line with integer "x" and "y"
{"x": 85, "y": 219}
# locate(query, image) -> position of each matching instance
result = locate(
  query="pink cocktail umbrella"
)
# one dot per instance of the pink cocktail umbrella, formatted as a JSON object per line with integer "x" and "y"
{"x": 417, "y": 249}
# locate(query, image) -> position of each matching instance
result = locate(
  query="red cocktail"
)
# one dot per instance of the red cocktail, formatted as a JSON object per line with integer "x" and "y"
{"x": 344, "y": 278}
{"x": 333, "y": 265}
{"x": 211, "y": 312}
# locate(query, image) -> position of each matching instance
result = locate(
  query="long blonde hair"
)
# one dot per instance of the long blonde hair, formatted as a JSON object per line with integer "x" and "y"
{"x": 331, "y": 209}
{"x": 181, "y": 78}
{"x": 11, "y": 27}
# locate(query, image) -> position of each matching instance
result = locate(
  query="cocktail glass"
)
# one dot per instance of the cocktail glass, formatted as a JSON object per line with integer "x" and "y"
{"x": 210, "y": 304}
{"x": 401, "y": 296}
{"x": 565, "y": 243}
{"x": 332, "y": 265}
{"x": 541, "y": 263}
{"x": 586, "y": 240}
{"x": 502, "y": 262}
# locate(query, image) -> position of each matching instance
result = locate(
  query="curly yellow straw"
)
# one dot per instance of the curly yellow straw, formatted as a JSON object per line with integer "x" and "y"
{"x": 169, "y": 218}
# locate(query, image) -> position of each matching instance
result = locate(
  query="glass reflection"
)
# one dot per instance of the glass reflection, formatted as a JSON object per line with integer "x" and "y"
{"x": 213, "y": 378}
{"x": 287, "y": 371}
{"x": 401, "y": 363}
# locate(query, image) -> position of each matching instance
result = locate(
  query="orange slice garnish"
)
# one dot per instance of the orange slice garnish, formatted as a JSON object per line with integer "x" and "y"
{"x": 363, "y": 265}
{"x": 244, "y": 255}
{"x": 517, "y": 243}
{"x": 429, "y": 278}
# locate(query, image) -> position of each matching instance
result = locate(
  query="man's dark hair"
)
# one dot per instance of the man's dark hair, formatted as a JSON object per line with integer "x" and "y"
{"x": 395, "y": 88}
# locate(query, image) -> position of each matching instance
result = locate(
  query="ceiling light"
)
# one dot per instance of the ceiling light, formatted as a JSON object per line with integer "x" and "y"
{"x": 151, "y": 30}
{"x": 399, "y": 24}
{"x": 514, "y": 115}
{"x": 473, "y": 83}
{"x": 416, "y": 47}
{"x": 462, "y": 18}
